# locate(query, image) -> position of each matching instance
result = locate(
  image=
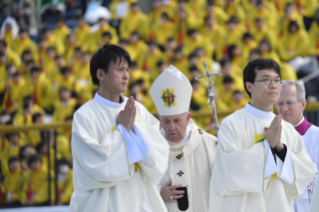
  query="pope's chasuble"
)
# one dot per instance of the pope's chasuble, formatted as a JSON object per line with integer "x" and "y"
{"x": 115, "y": 169}
{"x": 310, "y": 136}
{"x": 246, "y": 176}
{"x": 190, "y": 165}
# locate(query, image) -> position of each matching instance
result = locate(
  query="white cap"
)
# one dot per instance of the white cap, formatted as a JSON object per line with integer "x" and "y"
{"x": 171, "y": 92}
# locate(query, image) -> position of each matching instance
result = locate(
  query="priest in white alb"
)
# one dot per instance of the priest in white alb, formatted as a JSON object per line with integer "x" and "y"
{"x": 290, "y": 106}
{"x": 185, "y": 186}
{"x": 261, "y": 162}
{"x": 119, "y": 154}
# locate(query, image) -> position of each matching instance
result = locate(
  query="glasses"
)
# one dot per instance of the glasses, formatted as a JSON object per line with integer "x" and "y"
{"x": 289, "y": 103}
{"x": 268, "y": 81}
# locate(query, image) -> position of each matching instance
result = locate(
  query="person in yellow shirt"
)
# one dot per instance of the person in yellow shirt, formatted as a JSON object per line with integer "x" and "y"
{"x": 198, "y": 8}
{"x": 12, "y": 96}
{"x": 216, "y": 35}
{"x": 217, "y": 13}
{"x": 152, "y": 57}
{"x": 155, "y": 15}
{"x": 163, "y": 30}
{"x": 15, "y": 184}
{"x": 26, "y": 152}
{"x": 38, "y": 182}
{"x": 290, "y": 14}
{"x": 64, "y": 107}
{"x": 26, "y": 56}
{"x": 238, "y": 101}
{"x": 24, "y": 42}
{"x": 266, "y": 11}
{"x": 308, "y": 9}
{"x": 3, "y": 74}
{"x": 41, "y": 53}
{"x": 180, "y": 62}
{"x": 11, "y": 150}
{"x": 170, "y": 46}
{"x": 76, "y": 60}
{"x": 65, "y": 182}
{"x": 11, "y": 56}
{"x": 135, "y": 20}
{"x": 61, "y": 31}
{"x": 314, "y": 36}
{"x": 261, "y": 31}
{"x": 105, "y": 27}
{"x": 248, "y": 44}
{"x": 137, "y": 49}
{"x": 71, "y": 44}
{"x": 233, "y": 8}
{"x": 82, "y": 31}
{"x": 236, "y": 57}
{"x": 40, "y": 88}
{"x": 84, "y": 72}
{"x": 196, "y": 40}
{"x": 290, "y": 44}
{"x": 137, "y": 73}
{"x": 227, "y": 90}
{"x": 53, "y": 40}
{"x": 233, "y": 32}
{"x": 42, "y": 148}
{"x": 49, "y": 65}
{"x": 24, "y": 117}
{"x": 160, "y": 67}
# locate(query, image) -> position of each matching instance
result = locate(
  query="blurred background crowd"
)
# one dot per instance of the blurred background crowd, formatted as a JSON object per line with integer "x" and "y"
{"x": 45, "y": 52}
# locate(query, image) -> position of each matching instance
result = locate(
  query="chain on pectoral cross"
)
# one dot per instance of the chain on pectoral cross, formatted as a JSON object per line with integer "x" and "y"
{"x": 211, "y": 96}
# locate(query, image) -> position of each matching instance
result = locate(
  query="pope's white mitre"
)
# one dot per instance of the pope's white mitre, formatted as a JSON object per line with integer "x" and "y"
{"x": 171, "y": 92}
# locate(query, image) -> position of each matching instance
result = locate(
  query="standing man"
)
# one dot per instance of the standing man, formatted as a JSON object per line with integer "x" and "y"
{"x": 185, "y": 186}
{"x": 119, "y": 157}
{"x": 261, "y": 162}
{"x": 290, "y": 106}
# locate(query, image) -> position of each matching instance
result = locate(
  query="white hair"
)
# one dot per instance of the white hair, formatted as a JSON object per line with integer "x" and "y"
{"x": 301, "y": 94}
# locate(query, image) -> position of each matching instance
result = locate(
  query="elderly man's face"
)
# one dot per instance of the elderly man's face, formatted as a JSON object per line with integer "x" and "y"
{"x": 288, "y": 105}
{"x": 175, "y": 126}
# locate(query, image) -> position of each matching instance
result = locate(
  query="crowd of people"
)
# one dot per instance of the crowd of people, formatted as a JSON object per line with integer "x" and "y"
{"x": 47, "y": 80}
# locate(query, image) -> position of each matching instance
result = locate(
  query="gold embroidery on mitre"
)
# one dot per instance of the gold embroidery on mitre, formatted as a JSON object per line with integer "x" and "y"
{"x": 258, "y": 138}
{"x": 169, "y": 97}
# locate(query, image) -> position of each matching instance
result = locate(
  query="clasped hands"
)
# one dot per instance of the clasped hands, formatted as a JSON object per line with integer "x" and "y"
{"x": 273, "y": 133}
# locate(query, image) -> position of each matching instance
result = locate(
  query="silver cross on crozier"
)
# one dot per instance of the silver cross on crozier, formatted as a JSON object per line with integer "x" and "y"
{"x": 211, "y": 96}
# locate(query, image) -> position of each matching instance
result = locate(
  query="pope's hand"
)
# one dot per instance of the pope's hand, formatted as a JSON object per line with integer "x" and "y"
{"x": 127, "y": 116}
{"x": 273, "y": 132}
{"x": 169, "y": 194}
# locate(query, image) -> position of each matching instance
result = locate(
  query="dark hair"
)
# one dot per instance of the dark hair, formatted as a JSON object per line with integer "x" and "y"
{"x": 228, "y": 79}
{"x": 250, "y": 71}
{"x": 77, "y": 49}
{"x": 230, "y": 49}
{"x": 28, "y": 99}
{"x": 191, "y": 31}
{"x": 193, "y": 68}
{"x": 13, "y": 159}
{"x": 164, "y": 14}
{"x": 192, "y": 55}
{"x": 293, "y": 23}
{"x": 40, "y": 39}
{"x": 35, "y": 69}
{"x": 254, "y": 51}
{"x": 104, "y": 56}
{"x": 265, "y": 40}
{"x": 237, "y": 92}
{"x": 3, "y": 43}
{"x": 50, "y": 48}
{"x": 27, "y": 51}
{"x": 160, "y": 63}
{"x": 35, "y": 116}
{"x": 233, "y": 20}
{"x": 107, "y": 34}
{"x": 60, "y": 18}
{"x": 21, "y": 156}
{"x": 224, "y": 62}
{"x": 16, "y": 74}
{"x": 2, "y": 54}
{"x": 4, "y": 112}
{"x": 123, "y": 41}
{"x": 34, "y": 158}
{"x": 63, "y": 161}
{"x": 22, "y": 30}
{"x": 65, "y": 70}
{"x": 139, "y": 82}
{"x": 58, "y": 57}
{"x": 133, "y": 63}
{"x": 45, "y": 30}
{"x": 39, "y": 146}
{"x": 247, "y": 35}
{"x": 135, "y": 4}
{"x": 193, "y": 81}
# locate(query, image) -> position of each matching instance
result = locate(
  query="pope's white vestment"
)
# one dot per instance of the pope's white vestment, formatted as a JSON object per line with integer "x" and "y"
{"x": 191, "y": 164}
{"x": 245, "y": 176}
{"x": 116, "y": 170}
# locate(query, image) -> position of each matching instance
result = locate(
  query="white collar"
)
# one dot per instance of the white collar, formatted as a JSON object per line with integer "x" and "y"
{"x": 184, "y": 140}
{"x": 303, "y": 118}
{"x": 98, "y": 98}
{"x": 268, "y": 116}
